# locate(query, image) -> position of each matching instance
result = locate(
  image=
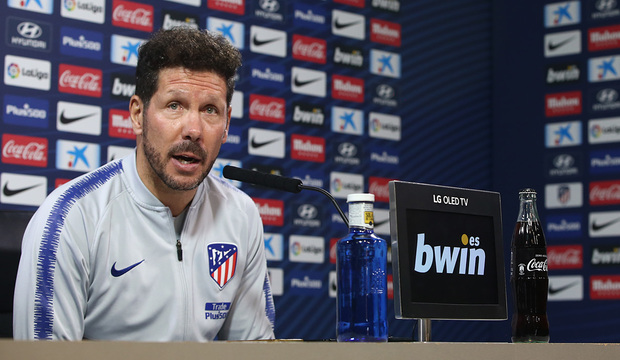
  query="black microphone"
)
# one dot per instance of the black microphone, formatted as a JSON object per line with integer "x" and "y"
{"x": 263, "y": 179}
{"x": 276, "y": 182}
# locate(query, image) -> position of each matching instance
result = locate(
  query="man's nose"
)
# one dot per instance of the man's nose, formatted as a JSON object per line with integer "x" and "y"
{"x": 192, "y": 129}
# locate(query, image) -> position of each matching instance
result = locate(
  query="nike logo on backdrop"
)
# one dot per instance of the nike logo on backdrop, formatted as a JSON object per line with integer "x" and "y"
{"x": 553, "y": 291}
{"x": 10, "y": 192}
{"x": 598, "y": 226}
{"x": 68, "y": 120}
{"x": 255, "y": 144}
{"x": 258, "y": 42}
{"x": 553, "y": 46}
{"x": 340, "y": 25}
{"x": 300, "y": 83}
{"x": 117, "y": 273}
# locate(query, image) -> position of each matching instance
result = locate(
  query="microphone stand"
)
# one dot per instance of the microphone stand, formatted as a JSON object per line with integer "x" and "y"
{"x": 326, "y": 193}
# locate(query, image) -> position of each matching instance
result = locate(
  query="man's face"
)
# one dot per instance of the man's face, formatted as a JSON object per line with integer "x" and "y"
{"x": 181, "y": 131}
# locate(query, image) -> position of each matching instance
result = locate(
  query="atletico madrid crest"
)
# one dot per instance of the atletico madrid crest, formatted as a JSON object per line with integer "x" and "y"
{"x": 222, "y": 262}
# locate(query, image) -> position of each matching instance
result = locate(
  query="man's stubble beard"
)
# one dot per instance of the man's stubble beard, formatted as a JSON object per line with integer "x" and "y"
{"x": 158, "y": 164}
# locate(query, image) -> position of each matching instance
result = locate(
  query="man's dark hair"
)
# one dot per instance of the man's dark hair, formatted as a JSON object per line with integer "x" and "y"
{"x": 192, "y": 49}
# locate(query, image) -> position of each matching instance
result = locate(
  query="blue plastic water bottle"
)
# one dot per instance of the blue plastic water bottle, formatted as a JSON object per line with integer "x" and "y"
{"x": 361, "y": 275}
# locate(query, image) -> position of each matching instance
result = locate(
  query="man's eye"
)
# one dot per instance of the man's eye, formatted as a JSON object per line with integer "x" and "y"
{"x": 211, "y": 110}
{"x": 174, "y": 106}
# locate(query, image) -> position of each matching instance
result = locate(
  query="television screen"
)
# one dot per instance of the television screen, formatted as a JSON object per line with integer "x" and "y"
{"x": 447, "y": 252}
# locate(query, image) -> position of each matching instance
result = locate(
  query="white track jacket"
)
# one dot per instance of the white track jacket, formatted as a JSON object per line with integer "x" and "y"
{"x": 100, "y": 261}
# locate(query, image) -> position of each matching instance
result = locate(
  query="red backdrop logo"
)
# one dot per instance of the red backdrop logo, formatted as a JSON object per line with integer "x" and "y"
{"x": 307, "y": 148}
{"x": 347, "y": 88}
{"x": 271, "y": 211}
{"x": 358, "y": 3}
{"x": 231, "y": 6}
{"x": 79, "y": 80}
{"x": 565, "y": 257}
{"x": 24, "y": 150}
{"x": 605, "y": 192}
{"x": 385, "y": 32}
{"x": 309, "y": 49}
{"x": 132, "y": 15}
{"x": 379, "y": 187}
{"x": 562, "y": 104}
{"x": 604, "y": 38}
{"x": 267, "y": 108}
{"x": 605, "y": 287}
{"x": 120, "y": 124}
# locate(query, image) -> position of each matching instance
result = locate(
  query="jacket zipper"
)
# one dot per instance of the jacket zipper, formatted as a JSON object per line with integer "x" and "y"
{"x": 179, "y": 250}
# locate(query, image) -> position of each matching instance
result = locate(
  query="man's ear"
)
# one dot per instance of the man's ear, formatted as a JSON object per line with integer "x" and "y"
{"x": 225, "y": 134}
{"x": 136, "y": 112}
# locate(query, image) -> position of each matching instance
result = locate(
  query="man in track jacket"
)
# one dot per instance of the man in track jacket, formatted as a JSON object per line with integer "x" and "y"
{"x": 150, "y": 247}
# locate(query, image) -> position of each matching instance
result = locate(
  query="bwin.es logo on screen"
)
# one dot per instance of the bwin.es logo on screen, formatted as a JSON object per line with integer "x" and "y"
{"x": 464, "y": 260}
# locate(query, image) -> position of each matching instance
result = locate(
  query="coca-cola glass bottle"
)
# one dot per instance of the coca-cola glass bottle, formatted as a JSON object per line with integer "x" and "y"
{"x": 528, "y": 274}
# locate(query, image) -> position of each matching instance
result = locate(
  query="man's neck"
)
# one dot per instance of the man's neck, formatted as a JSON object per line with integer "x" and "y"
{"x": 176, "y": 200}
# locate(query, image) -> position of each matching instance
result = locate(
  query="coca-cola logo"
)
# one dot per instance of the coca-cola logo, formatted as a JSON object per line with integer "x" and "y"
{"x": 605, "y": 192}
{"x": 24, "y": 150}
{"x": 379, "y": 187}
{"x": 133, "y": 15}
{"x": 309, "y": 49}
{"x": 565, "y": 257}
{"x": 267, "y": 108}
{"x": 536, "y": 265}
{"x": 79, "y": 80}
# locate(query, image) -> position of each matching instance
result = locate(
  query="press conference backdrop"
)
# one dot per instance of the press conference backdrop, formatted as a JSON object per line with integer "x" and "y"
{"x": 557, "y": 120}
{"x": 344, "y": 94}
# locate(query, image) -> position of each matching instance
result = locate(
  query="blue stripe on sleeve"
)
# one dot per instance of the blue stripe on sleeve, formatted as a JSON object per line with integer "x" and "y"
{"x": 270, "y": 308}
{"x": 46, "y": 264}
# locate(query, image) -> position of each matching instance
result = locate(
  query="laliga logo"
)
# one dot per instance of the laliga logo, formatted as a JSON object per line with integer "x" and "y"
{"x": 596, "y": 131}
{"x": 296, "y": 248}
{"x": 13, "y": 70}
{"x": 446, "y": 257}
{"x": 70, "y": 4}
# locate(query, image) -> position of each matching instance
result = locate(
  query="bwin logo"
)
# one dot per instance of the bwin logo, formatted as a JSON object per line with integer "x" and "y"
{"x": 446, "y": 257}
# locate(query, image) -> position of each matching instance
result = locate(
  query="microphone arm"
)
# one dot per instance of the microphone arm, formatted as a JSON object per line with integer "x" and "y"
{"x": 326, "y": 193}
{"x": 276, "y": 182}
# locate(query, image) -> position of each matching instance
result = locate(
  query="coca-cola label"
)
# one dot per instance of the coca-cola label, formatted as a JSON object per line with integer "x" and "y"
{"x": 267, "y": 108}
{"x": 529, "y": 263}
{"x": 132, "y": 15}
{"x": 561, "y": 257}
{"x": 24, "y": 150}
{"x": 605, "y": 192}
{"x": 309, "y": 49}
{"x": 79, "y": 80}
{"x": 380, "y": 187}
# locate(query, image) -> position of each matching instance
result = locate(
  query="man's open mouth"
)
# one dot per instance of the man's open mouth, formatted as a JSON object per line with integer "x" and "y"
{"x": 183, "y": 159}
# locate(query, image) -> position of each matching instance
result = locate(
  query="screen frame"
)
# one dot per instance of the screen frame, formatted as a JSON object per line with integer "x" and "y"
{"x": 418, "y": 196}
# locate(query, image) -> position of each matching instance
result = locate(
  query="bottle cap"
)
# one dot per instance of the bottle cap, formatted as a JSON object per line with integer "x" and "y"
{"x": 361, "y": 197}
{"x": 527, "y": 190}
